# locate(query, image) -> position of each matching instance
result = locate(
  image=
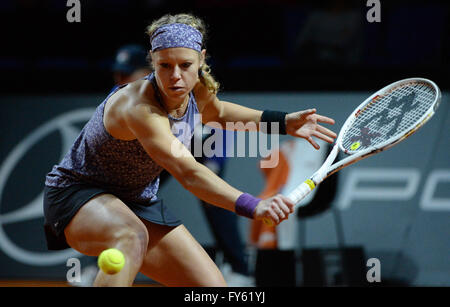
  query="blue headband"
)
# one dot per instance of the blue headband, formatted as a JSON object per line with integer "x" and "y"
{"x": 176, "y": 35}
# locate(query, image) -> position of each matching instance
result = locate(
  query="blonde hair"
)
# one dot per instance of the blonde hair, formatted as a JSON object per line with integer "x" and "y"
{"x": 205, "y": 75}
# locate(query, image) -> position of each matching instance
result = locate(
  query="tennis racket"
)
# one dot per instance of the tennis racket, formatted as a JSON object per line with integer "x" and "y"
{"x": 383, "y": 120}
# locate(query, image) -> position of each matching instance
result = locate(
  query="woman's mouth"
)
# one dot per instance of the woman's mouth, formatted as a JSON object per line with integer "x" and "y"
{"x": 176, "y": 88}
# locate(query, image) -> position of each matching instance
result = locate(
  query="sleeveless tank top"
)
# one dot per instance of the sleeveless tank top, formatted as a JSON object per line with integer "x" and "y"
{"x": 121, "y": 167}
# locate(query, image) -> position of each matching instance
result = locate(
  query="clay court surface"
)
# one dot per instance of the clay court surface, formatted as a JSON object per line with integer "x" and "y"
{"x": 52, "y": 283}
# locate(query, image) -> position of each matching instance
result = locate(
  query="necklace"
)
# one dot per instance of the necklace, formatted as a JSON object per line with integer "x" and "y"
{"x": 179, "y": 112}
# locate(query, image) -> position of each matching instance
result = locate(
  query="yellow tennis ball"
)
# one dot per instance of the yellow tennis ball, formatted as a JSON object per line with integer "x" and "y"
{"x": 111, "y": 261}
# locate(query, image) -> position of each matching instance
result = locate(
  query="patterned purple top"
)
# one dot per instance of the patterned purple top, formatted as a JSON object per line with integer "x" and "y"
{"x": 121, "y": 167}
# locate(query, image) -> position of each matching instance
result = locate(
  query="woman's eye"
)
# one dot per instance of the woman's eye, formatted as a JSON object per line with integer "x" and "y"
{"x": 186, "y": 65}
{"x": 164, "y": 65}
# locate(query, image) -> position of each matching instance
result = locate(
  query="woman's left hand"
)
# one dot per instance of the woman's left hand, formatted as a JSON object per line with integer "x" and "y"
{"x": 305, "y": 124}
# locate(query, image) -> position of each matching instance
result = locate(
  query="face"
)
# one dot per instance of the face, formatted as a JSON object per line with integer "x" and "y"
{"x": 176, "y": 71}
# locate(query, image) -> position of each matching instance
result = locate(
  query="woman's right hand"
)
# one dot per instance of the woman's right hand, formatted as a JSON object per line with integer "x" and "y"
{"x": 275, "y": 209}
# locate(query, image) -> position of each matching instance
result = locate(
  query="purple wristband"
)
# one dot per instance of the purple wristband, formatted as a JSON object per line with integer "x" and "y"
{"x": 246, "y": 204}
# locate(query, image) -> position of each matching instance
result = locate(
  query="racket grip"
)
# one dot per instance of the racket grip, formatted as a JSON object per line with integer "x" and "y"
{"x": 268, "y": 221}
{"x": 296, "y": 195}
{"x": 302, "y": 191}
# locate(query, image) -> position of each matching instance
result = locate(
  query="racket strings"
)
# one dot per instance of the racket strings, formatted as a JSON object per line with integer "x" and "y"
{"x": 391, "y": 114}
{"x": 420, "y": 105}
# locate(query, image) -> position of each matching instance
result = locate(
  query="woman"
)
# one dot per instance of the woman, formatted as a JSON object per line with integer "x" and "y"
{"x": 103, "y": 194}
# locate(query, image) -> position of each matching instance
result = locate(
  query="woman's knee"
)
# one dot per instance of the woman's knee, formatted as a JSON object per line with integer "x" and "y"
{"x": 132, "y": 240}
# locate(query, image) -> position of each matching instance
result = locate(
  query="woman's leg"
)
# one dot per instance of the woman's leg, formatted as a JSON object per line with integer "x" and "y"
{"x": 224, "y": 226}
{"x": 175, "y": 258}
{"x": 106, "y": 222}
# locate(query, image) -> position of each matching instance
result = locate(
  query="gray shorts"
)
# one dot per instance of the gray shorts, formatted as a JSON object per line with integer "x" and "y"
{"x": 61, "y": 205}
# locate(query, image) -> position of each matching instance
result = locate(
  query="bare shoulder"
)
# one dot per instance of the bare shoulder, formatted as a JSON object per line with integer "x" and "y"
{"x": 133, "y": 103}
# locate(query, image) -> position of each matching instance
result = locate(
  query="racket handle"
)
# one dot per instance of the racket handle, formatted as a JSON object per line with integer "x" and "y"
{"x": 302, "y": 191}
{"x": 268, "y": 221}
{"x": 296, "y": 196}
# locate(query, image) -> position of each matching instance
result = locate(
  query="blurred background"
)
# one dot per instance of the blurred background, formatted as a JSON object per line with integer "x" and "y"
{"x": 263, "y": 45}
{"x": 286, "y": 55}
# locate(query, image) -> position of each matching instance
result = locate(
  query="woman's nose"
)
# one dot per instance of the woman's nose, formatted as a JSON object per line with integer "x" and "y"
{"x": 176, "y": 73}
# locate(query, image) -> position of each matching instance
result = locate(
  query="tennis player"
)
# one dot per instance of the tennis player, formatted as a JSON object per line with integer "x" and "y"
{"x": 103, "y": 194}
